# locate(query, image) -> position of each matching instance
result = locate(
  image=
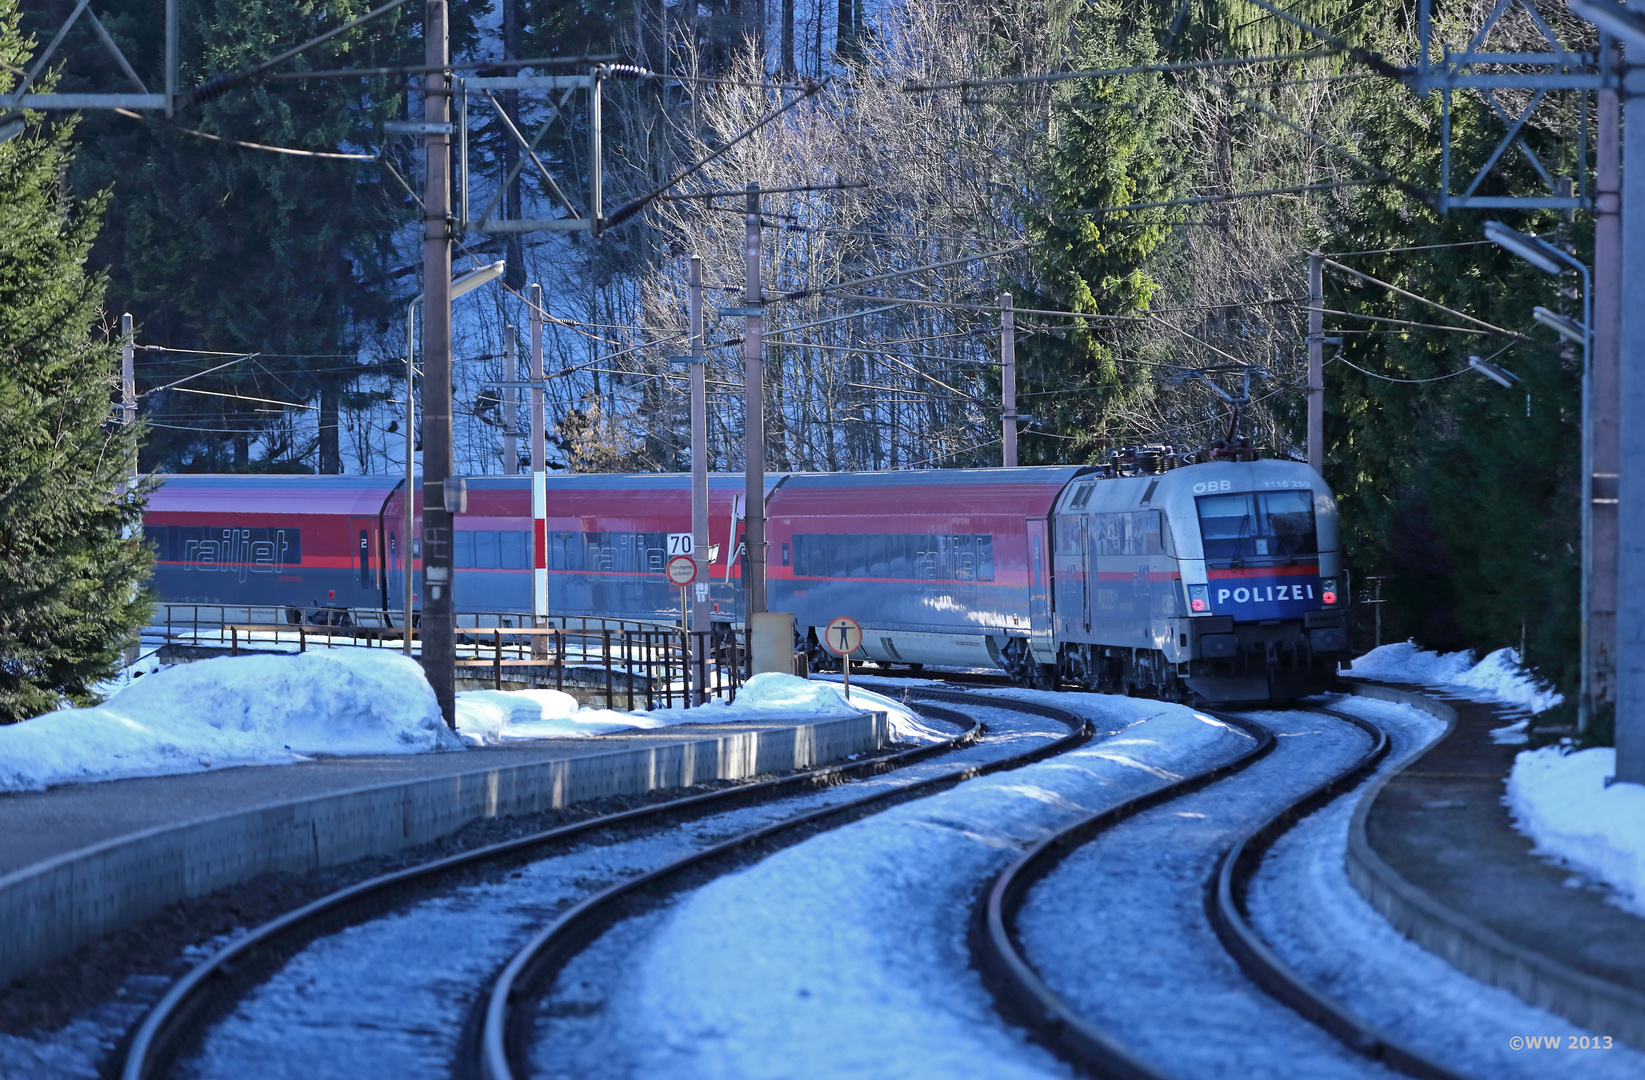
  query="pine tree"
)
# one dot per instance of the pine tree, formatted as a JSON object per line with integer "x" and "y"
{"x": 71, "y": 569}
{"x": 1107, "y": 148}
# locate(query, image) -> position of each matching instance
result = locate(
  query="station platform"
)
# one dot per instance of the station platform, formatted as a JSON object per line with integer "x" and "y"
{"x": 80, "y": 860}
{"x": 1435, "y": 850}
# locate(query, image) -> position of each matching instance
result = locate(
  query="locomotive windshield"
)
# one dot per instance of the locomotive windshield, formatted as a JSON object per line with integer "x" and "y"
{"x": 1267, "y": 527}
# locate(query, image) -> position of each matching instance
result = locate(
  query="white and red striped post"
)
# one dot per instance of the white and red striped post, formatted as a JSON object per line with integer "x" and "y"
{"x": 539, "y": 471}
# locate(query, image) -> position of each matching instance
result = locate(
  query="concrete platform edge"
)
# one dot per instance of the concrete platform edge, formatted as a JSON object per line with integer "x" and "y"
{"x": 1600, "y": 1006}
{"x": 52, "y": 907}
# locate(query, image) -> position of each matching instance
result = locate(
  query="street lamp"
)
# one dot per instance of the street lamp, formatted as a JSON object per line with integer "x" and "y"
{"x": 1550, "y": 259}
{"x": 1563, "y": 325}
{"x": 1495, "y": 372}
{"x": 462, "y": 283}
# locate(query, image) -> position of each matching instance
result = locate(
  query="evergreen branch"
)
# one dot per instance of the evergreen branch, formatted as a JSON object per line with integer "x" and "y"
{"x": 1139, "y": 69}
{"x": 218, "y": 85}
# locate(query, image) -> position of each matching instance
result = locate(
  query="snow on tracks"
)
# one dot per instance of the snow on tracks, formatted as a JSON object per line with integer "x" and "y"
{"x": 848, "y": 951}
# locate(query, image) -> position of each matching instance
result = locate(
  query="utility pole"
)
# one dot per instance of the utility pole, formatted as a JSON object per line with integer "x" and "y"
{"x": 1008, "y": 382}
{"x": 408, "y": 511}
{"x": 128, "y": 380}
{"x": 754, "y": 414}
{"x": 699, "y": 456}
{"x": 1630, "y": 675}
{"x": 440, "y": 500}
{"x": 537, "y": 440}
{"x": 1600, "y": 631}
{"x": 1316, "y": 363}
{"x": 128, "y": 371}
{"x": 511, "y": 450}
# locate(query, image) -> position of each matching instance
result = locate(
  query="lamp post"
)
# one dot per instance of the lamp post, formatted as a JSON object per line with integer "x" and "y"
{"x": 1550, "y": 259}
{"x": 462, "y": 283}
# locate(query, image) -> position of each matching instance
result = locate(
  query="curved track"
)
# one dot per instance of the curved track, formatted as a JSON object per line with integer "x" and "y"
{"x": 212, "y": 987}
{"x": 1024, "y": 995}
{"x": 503, "y": 1045}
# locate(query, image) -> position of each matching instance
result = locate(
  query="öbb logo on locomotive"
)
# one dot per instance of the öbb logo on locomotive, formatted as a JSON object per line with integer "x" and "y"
{"x": 1222, "y": 580}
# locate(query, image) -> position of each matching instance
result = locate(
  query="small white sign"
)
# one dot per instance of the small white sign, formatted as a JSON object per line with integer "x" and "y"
{"x": 702, "y": 592}
{"x": 682, "y": 570}
{"x": 679, "y": 544}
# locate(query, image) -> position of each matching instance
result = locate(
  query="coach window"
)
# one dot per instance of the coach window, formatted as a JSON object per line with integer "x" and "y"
{"x": 876, "y": 556}
{"x": 512, "y": 549}
{"x": 462, "y": 549}
{"x": 485, "y": 549}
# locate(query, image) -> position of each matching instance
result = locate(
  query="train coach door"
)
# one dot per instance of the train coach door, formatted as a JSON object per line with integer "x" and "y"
{"x": 1040, "y": 638}
{"x": 365, "y": 578}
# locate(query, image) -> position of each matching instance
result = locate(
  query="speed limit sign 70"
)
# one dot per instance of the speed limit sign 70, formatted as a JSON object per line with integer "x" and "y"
{"x": 843, "y": 636}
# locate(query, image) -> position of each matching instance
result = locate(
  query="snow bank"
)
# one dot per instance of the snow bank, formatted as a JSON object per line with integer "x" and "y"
{"x": 1499, "y": 676}
{"x": 1561, "y": 802}
{"x": 776, "y": 694}
{"x": 246, "y": 710}
{"x": 489, "y": 717}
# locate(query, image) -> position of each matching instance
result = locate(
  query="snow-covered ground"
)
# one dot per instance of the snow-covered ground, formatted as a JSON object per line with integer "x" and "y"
{"x": 1559, "y": 799}
{"x": 1498, "y": 677}
{"x": 274, "y": 710}
{"x": 490, "y": 717}
{"x": 1561, "y": 802}
{"x": 845, "y": 955}
{"x": 1304, "y": 906}
{"x": 247, "y": 710}
{"x": 429, "y": 962}
{"x": 1118, "y": 930}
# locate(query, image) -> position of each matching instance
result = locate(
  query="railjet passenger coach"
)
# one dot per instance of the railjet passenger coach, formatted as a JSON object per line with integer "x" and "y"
{"x": 1223, "y": 579}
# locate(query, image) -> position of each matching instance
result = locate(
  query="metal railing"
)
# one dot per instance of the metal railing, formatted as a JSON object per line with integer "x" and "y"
{"x": 664, "y": 666}
{"x": 180, "y": 621}
{"x": 631, "y": 659}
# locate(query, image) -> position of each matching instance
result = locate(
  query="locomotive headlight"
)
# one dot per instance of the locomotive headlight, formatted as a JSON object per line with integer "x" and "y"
{"x": 1199, "y": 599}
{"x": 1328, "y": 591}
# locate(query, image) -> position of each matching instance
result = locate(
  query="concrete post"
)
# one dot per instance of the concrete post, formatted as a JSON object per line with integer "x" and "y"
{"x": 438, "y": 620}
{"x": 754, "y": 414}
{"x": 128, "y": 371}
{"x": 700, "y": 609}
{"x": 1600, "y": 632}
{"x": 1630, "y": 600}
{"x": 1316, "y": 363}
{"x": 511, "y": 405}
{"x": 1008, "y": 382}
{"x": 128, "y": 380}
{"x": 409, "y": 509}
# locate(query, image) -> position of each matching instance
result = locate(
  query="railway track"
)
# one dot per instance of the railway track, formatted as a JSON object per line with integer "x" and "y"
{"x": 212, "y": 988}
{"x": 1024, "y": 995}
{"x": 507, "y": 1023}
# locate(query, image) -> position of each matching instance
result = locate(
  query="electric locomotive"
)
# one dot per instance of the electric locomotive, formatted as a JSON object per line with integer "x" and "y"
{"x": 1222, "y": 578}
{"x": 1154, "y": 574}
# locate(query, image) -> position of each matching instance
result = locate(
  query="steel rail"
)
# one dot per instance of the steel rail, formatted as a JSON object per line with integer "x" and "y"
{"x": 1024, "y": 996}
{"x": 201, "y": 994}
{"x": 1016, "y": 986}
{"x": 1225, "y": 905}
{"x": 505, "y": 1030}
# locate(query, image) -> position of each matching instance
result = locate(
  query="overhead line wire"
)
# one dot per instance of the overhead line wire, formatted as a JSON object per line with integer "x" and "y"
{"x": 1231, "y": 196}
{"x": 1140, "y": 69}
{"x": 1423, "y": 300}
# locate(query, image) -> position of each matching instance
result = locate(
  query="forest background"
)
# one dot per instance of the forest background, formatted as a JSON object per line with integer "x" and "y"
{"x": 294, "y": 272}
